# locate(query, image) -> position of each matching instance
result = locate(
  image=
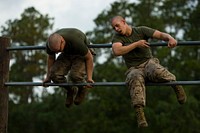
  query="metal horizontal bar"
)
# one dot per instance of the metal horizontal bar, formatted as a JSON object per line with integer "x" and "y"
{"x": 186, "y": 43}
{"x": 43, "y": 47}
{"x": 26, "y": 48}
{"x": 101, "y": 83}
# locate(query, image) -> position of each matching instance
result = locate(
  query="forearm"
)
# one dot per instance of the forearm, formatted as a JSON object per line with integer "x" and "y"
{"x": 165, "y": 36}
{"x": 89, "y": 68}
{"x": 162, "y": 36}
{"x": 89, "y": 65}
{"x": 50, "y": 61}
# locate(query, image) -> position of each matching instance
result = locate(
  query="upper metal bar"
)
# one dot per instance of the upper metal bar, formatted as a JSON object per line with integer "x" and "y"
{"x": 185, "y": 43}
{"x": 197, "y": 82}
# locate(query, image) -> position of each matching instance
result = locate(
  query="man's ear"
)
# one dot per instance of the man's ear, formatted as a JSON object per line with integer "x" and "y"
{"x": 123, "y": 21}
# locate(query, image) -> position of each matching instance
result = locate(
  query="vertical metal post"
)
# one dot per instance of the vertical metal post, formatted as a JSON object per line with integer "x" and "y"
{"x": 4, "y": 75}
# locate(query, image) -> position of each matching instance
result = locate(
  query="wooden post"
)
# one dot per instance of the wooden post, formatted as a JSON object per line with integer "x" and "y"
{"x": 4, "y": 75}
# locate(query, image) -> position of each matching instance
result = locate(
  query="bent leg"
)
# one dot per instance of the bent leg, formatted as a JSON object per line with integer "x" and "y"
{"x": 58, "y": 71}
{"x": 78, "y": 69}
{"x": 77, "y": 75}
{"x": 136, "y": 85}
{"x": 157, "y": 73}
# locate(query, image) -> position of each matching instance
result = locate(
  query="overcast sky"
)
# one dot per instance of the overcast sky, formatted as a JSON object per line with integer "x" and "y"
{"x": 67, "y": 13}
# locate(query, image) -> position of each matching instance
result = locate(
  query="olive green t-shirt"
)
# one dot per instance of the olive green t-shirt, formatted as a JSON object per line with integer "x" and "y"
{"x": 76, "y": 42}
{"x": 137, "y": 55}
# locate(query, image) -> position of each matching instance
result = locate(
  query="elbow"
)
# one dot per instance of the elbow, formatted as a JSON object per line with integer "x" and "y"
{"x": 117, "y": 49}
{"x": 116, "y": 53}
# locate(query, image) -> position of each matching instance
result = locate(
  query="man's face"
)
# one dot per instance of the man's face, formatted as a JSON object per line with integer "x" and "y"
{"x": 119, "y": 26}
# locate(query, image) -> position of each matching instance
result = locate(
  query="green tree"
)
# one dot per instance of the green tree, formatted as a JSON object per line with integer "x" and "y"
{"x": 31, "y": 29}
{"x": 107, "y": 109}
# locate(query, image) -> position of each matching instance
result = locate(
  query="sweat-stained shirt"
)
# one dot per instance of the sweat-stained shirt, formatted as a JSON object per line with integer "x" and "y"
{"x": 76, "y": 42}
{"x": 137, "y": 55}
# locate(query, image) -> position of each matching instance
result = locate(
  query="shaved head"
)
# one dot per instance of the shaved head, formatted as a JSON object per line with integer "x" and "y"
{"x": 120, "y": 26}
{"x": 118, "y": 18}
{"x": 54, "y": 41}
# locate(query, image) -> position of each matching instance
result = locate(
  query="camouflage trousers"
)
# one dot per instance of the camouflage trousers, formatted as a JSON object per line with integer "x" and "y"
{"x": 150, "y": 70}
{"x": 68, "y": 68}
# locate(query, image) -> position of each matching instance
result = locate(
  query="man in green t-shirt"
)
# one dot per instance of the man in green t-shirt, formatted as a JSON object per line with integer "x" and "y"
{"x": 75, "y": 60}
{"x": 132, "y": 44}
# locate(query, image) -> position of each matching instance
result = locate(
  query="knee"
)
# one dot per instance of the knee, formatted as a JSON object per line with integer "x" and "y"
{"x": 56, "y": 78}
{"x": 76, "y": 76}
{"x": 172, "y": 77}
{"x": 135, "y": 77}
{"x": 166, "y": 75}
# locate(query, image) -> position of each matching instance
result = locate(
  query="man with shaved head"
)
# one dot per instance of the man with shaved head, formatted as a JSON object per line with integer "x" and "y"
{"x": 75, "y": 60}
{"x": 132, "y": 44}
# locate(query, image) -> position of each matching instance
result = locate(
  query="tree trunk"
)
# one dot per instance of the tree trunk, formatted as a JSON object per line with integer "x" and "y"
{"x": 4, "y": 75}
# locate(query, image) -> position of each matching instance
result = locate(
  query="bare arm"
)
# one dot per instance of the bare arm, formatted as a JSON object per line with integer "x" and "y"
{"x": 165, "y": 37}
{"x": 119, "y": 49}
{"x": 50, "y": 61}
{"x": 89, "y": 66}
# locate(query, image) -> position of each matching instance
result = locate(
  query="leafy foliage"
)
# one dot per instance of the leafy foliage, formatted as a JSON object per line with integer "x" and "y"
{"x": 108, "y": 109}
{"x": 31, "y": 29}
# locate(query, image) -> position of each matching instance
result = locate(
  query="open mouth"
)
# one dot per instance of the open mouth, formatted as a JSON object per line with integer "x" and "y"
{"x": 119, "y": 31}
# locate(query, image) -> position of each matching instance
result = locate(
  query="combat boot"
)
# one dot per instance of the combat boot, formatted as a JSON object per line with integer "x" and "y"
{"x": 180, "y": 93}
{"x": 141, "y": 120}
{"x": 82, "y": 92}
{"x": 70, "y": 97}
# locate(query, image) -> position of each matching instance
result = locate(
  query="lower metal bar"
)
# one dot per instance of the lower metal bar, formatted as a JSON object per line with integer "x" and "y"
{"x": 101, "y": 83}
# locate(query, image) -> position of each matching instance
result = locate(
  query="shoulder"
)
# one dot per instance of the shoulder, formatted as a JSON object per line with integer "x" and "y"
{"x": 117, "y": 38}
{"x": 141, "y": 28}
{"x": 144, "y": 30}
